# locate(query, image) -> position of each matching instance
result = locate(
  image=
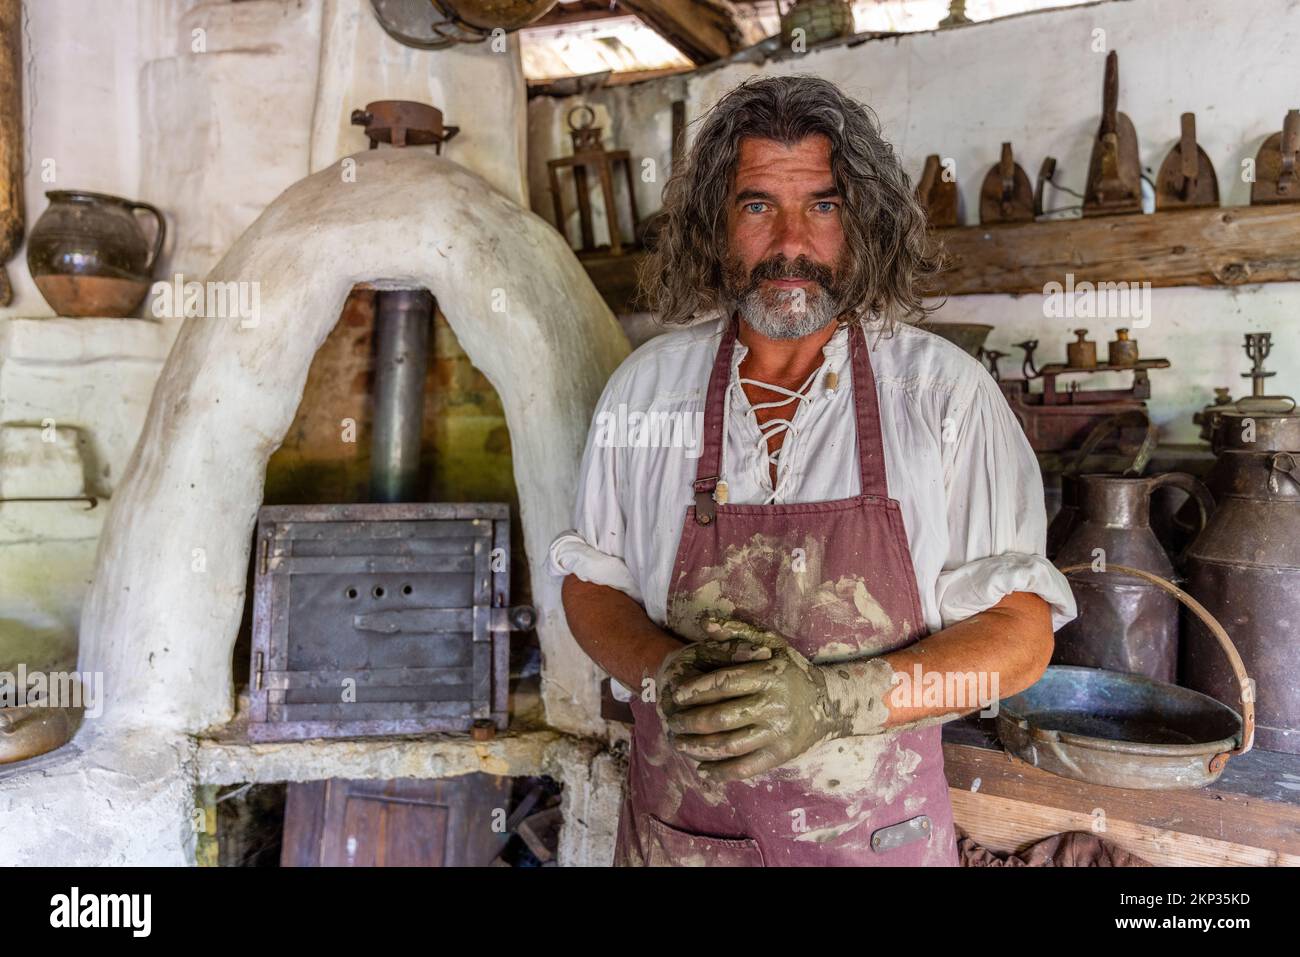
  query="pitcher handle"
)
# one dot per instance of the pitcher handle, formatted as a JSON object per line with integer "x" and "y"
{"x": 1133, "y": 418}
{"x": 1197, "y": 490}
{"x": 1244, "y": 682}
{"x": 159, "y": 236}
{"x": 1285, "y": 462}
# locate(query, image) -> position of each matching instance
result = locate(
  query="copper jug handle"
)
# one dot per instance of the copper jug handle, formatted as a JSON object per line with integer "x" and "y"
{"x": 1244, "y": 682}
{"x": 159, "y": 236}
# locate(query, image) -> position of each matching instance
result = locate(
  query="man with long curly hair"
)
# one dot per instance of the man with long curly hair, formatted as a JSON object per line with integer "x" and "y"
{"x": 808, "y": 531}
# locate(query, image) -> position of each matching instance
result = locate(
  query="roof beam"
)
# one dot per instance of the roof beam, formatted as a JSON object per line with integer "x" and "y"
{"x": 704, "y": 30}
{"x": 584, "y": 11}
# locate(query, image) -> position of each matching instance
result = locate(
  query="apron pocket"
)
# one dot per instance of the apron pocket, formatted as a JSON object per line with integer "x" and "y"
{"x": 672, "y": 847}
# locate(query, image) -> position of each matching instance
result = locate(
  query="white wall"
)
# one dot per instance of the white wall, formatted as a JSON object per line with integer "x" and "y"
{"x": 125, "y": 97}
{"x": 1035, "y": 80}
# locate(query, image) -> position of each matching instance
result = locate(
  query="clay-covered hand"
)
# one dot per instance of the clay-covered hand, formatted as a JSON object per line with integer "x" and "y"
{"x": 696, "y": 660}
{"x": 744, "y": 719}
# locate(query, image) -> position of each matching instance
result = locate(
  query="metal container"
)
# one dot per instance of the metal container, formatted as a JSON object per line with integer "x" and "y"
{"x": 1122, "y": 351}
{"x": 1245, "y": 430}
{"x": 1114, "y": 427}
{"x": 1123, "y": 625}
{"x": 1128, "y": 731}
{"x": 1245, "y": 568}
{"x": 1082, "y": 353}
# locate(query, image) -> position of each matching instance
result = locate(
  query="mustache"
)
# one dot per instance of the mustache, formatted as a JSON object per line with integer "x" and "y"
{"x": 801, "y": 267}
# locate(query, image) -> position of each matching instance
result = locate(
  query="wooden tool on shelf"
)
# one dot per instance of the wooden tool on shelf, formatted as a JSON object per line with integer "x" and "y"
{"x": 1186, "y": 178}
{"x": 938, "y": 194}
{"x": 1006, "y": 196}
{"x": 1045, "y": 174}
{"x": 1277, "y": 178}
{"x": 1114, "y": 170}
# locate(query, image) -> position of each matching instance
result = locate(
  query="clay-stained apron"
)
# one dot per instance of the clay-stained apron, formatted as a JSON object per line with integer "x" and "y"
{"x": 836, "y": 579}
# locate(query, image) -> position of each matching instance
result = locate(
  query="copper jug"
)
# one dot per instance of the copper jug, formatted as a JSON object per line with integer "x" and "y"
{"x": 1124, "y": 624}
{"x": 1244, "y": 567}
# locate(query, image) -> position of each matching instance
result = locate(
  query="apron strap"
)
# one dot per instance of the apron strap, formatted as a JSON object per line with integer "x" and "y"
{"x": 871, "y": 447}
{"x": 871, "y": 444}
{"x": 708, "y": 469}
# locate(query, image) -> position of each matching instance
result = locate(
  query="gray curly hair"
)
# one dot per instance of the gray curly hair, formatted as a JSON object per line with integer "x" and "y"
{"x": 889, "y": 255}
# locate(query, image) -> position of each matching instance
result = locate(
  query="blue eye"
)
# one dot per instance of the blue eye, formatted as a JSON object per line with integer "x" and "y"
{"x": 826, "y": 206}
{"x": 755, "y": 207}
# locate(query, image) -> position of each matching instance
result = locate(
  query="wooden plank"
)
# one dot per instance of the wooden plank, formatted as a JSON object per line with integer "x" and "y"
{"x": 1232, "y": 819}
{"x": 704, "y": 30}
{"x": 1192, "y": 247}
{"x": 1003, "y": 824}
{"x": 12, "y": 216}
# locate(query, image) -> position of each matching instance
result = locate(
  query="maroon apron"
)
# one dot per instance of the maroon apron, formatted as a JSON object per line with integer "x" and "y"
{"x": 836, "y": 579}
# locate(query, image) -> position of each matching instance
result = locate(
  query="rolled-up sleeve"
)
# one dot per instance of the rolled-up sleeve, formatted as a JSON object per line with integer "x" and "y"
{"x": 997, "y": 521}
{"x": 593, "y": 549}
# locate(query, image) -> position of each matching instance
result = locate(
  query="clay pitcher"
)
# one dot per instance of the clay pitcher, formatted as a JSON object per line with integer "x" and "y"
{"x": 89, "y": 255}
{"x": 1244, "y": 568}
{"x": 1124, "y": 624}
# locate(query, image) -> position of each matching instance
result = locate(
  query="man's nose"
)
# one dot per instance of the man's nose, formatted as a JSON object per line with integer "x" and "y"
{"x": 791, "y": 237}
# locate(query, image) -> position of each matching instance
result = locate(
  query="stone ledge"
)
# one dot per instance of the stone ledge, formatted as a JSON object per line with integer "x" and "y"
{"x": 63, "y": 339}
{"x": 592, "y": 774}
{"x": 513, "y": 754}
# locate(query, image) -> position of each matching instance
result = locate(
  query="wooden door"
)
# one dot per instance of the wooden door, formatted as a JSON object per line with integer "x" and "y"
{"x": 404, "y": 822}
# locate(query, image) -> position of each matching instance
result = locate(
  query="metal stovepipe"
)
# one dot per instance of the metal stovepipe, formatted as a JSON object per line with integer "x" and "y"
{"x": 403, "y": 320}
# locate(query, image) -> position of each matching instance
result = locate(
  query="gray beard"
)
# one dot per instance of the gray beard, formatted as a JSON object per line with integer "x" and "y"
{"x": 792, "y": 316}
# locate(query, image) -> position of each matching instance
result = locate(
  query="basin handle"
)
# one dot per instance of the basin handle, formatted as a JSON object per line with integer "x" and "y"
{"x": 1244, "y": 683}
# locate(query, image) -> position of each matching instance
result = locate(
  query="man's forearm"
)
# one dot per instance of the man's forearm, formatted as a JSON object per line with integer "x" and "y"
{"x": 1004, "y": 650}
{"x": 615, "y": 632}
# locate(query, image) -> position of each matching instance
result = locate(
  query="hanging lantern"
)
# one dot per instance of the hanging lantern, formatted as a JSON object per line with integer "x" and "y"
{"x": 589, "y": 153}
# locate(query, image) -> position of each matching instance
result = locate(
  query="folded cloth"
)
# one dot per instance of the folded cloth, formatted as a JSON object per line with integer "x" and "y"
{"x": 1068, "y": 849}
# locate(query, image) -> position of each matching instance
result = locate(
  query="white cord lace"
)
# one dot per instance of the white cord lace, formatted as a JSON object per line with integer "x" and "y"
{"x": 774, "y": 427}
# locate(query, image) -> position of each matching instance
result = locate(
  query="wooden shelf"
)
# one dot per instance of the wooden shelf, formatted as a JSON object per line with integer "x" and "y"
{"x": 1250, "y": 816}
{"x": 1223, "y": 246}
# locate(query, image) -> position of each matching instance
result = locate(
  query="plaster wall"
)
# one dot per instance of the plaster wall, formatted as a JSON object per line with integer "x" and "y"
{"x": 225, "y": 397}
{"x": 208, "y": 109}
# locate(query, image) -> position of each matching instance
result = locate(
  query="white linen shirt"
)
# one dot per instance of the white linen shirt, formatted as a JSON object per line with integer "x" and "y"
{"x": 956, "y": 460}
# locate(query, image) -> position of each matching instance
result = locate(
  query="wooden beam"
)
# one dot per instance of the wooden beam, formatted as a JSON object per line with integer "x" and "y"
{"x": 11, "y": 139}
{"x": 567, "y": 14}
{"x": 1225, "y": 246}
{"x": 704, "y": 30}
